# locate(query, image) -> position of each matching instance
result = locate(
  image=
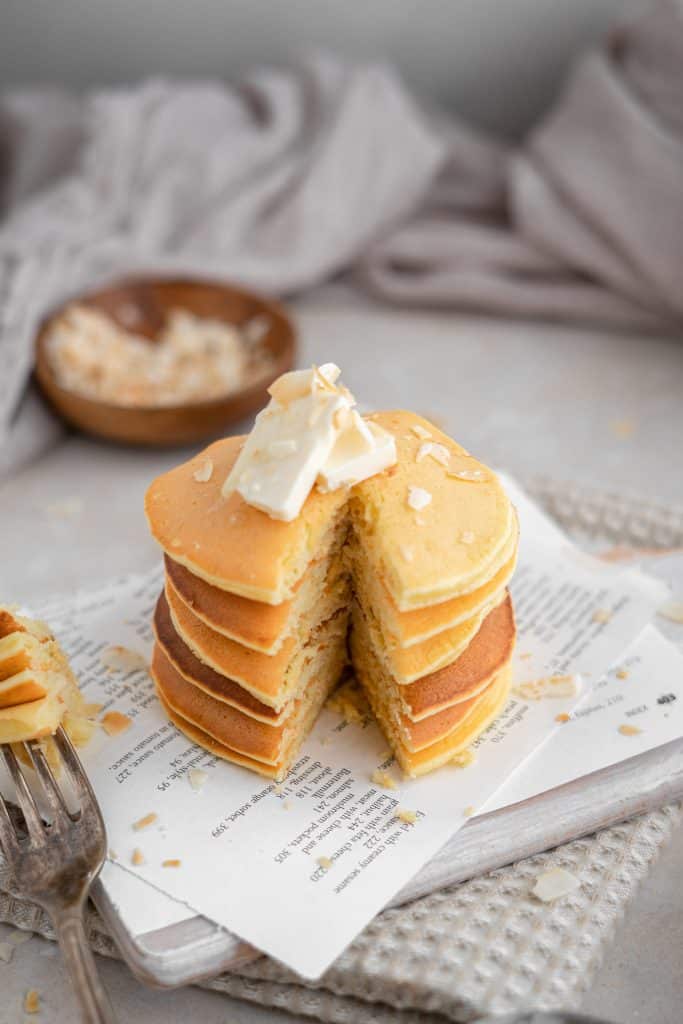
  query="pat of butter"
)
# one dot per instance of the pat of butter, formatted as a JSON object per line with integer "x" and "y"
{"x": 353, "y": 458}
{"x": 309, "y": 433}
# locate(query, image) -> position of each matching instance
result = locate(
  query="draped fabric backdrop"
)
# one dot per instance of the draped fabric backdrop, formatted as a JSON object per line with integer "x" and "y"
{"x": 299, "y": 175}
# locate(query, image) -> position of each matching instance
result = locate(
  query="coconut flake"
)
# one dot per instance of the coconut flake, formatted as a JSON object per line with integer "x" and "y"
{"x": 418, "y": 498}
{"x": 197, "y": 778}
{"x": 554, "y": 884}
{"x": 420, "y": 432}
{"x": 204, "y": 473}
{"x": 469, "y": 475}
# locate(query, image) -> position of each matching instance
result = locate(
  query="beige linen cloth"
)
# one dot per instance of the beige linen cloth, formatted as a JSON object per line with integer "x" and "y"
{"x": 295, "y": 176}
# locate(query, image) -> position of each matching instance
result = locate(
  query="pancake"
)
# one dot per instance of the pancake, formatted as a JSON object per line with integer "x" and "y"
{"x": 271, "y": 679}
{"x": 490, "y": 651}
{"x": 442, "y": 565}
{"x": 405, "y": 629}
{"x": 257, "y": 739}
{"x": 203, "y": 739}
{"x": 267, "y": 749}
{"x": 255, "y": 624}
{"x": 196, "y": 672}
{"x": 230, "y": 544}
{"x": 438, "y": 754}
{"x": 408, "y": 664}
{"x": 430, "y": 706}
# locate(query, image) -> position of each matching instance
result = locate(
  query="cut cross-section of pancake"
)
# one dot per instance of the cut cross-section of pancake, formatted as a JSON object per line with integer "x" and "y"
{"x": 432, "y": 719}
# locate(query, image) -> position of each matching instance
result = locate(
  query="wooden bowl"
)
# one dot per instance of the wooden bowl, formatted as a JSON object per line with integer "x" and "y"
{"x": 142, "y": 304}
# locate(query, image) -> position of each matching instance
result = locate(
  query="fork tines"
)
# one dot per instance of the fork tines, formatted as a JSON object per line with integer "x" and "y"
{"x": 59, "y": 810}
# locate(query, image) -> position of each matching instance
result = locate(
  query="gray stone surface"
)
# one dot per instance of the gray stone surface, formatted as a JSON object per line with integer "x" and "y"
{"x": 535, "y": 399}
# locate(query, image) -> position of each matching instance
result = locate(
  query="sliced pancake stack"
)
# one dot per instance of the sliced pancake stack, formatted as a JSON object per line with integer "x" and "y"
{"x": 405, "y": 573}
{"x": 38, "y": 691}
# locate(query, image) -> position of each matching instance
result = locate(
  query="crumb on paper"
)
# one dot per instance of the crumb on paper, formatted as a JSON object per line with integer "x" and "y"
{"x": 601, "y": 615}
{"x": 623, "y": 429}
{"x": 32, "y": 1001}
{"x": 629, "y": 730}
{"x": 548, "y": 686}
{"x": 672, "y": 610}
{"x": 554, "y": 884}
{"x": 112, "y": 854}
{"x": 6, "y": 952}
{"x": 383, "y": 779}
{"x": 622, "y": 673}
{"x": 469, "y": 811}
{"x": 420, "y": 432}
{"x": 409, "y": 817}
{"x": 525, "y": 656}
{"x": 349, "y": 701}
{"x": 122, "y": 659}
{"x": 197, "y": 778}
{"x": 66, "y": 509}
{"x": 325, "y": 740}
{"x": 92, "y": 710}
{"x": 418, "y": 498}
{"x": 287, "y": 805}
{"x": 325, "y": 863}
{"x": 114, "y": 723}
{"x": 145, "y": 822}
{"x": 171, "y": 862}
{"x": 464, "y": 759}
{"x": 137, "y": 858}
{"x": 204, "y": 473}
{"x": 563, "y": 717}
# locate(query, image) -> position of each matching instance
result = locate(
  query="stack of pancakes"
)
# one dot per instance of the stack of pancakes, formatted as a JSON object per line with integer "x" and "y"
{"x": 259, "y": 617}
{"x": 38, "y": 691}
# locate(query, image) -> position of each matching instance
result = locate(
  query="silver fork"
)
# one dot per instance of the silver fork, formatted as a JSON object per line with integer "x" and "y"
{"x": 55, "y": 863}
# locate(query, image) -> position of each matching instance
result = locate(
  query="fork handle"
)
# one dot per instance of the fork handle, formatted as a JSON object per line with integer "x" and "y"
{"x": 80, "y": 963}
